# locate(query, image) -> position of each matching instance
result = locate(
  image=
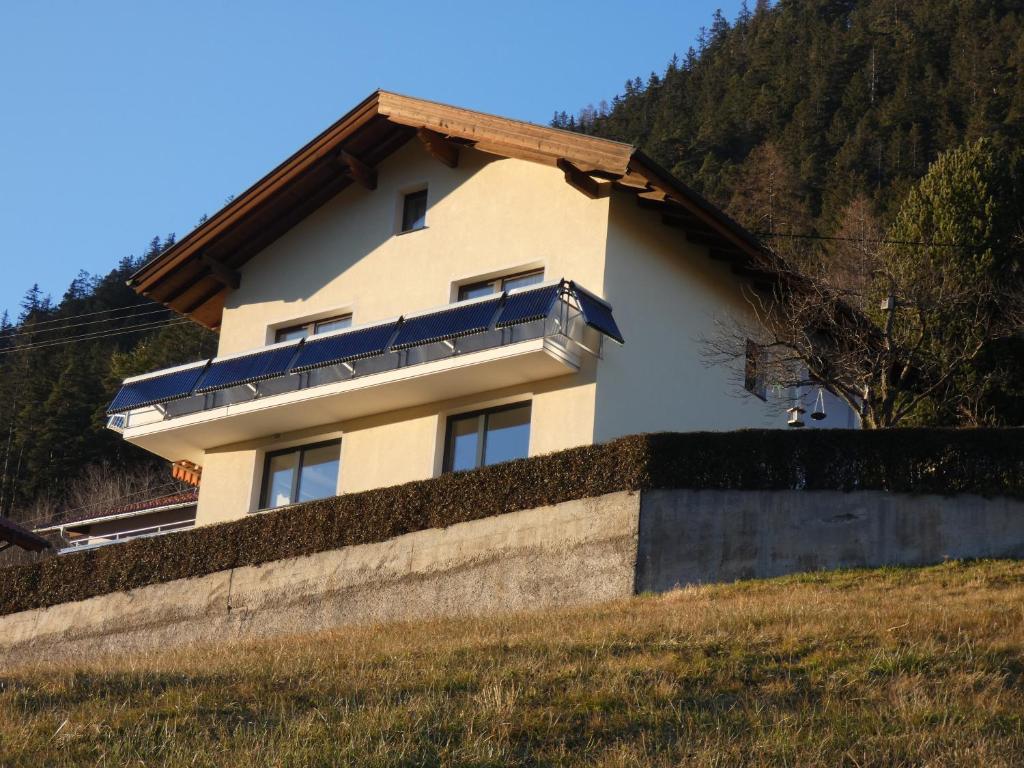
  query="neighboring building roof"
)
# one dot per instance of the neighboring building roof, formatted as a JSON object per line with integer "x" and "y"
{"x": 193, "y": 276}
{"x": 13, "y": 534}
{"x": 135, "y": 509}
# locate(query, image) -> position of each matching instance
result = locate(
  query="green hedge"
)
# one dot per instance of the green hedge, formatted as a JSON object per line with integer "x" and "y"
{"x": 987, "y": 462}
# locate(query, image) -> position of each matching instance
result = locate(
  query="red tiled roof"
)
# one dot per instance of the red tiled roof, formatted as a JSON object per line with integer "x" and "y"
{"x": 185, "y": 497}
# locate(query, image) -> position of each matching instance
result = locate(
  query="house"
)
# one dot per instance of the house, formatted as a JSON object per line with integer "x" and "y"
{"x": 422, "y": 289}
{"x": 138, "y": 519}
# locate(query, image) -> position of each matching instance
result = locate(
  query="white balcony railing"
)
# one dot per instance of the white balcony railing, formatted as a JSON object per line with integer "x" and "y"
{"x": 561, "y": 323}
{"x": 102, "y": 539}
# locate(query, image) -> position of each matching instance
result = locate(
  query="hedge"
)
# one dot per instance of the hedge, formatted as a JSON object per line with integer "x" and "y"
{"x": 986, "y": 462}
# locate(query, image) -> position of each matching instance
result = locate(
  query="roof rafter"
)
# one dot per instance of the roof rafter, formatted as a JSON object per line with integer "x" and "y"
{"x": 360, "y": 172}
{"x": 585, "y": 183}
{"x": 439, "y": 147}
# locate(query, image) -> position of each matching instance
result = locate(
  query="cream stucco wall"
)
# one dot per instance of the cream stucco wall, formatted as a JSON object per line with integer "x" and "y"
{"x": 488, "y": 216}
{"x": 667, "y": 295}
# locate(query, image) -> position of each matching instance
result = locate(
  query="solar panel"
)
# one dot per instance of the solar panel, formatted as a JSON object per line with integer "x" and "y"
{"x": 248, "y": 368}
{"x": 156, "y": 389}
{"x": 447, "y": 324}
{"x": 597, "y": 314}
{"x": 524, "y": 306}
{"x": 351, "y": 345}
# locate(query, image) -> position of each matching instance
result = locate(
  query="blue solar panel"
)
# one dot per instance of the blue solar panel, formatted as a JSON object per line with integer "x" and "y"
{"x": 447, "y": 324}
{"x": 524, "y": 306}
{"x": 597, "y": 314}
{"x": 351, "y": 345}
{"x": 248, "y": 368}
{"x": 157, "y": 389}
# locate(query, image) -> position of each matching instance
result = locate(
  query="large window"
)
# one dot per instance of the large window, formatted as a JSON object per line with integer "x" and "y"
{"x": 301, "y": 474}
{"x": 499, "y": 284}
{"x": 482, "y": 438}
{"x": 414, "y": 211}
{"x": 312, "y": 327}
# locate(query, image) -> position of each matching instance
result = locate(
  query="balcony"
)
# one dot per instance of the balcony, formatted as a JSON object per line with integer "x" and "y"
{"x": 507, "y": 339}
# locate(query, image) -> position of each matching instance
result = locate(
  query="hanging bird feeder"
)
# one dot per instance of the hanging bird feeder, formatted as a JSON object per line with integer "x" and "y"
{"x": 819, "y": 406}
{"x": 796, "y": 416}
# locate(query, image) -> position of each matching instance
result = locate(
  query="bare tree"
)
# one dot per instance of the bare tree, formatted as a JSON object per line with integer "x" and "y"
{"x": 888, "y": 332}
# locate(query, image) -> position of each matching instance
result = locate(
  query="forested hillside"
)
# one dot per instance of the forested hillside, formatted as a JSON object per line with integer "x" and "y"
{"x": 876, "y": 147}
{"x": 804, "y": 119}
{"x": 60, "y": 363}
{"x": 795, "y": 109}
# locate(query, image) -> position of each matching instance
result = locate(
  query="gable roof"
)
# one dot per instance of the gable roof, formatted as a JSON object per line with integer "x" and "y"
{"x": 194, "y": 275}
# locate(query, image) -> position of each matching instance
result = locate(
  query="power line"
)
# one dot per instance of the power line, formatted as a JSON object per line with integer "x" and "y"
{"x": 95, "y": 335}
{"x": 33, "y": 330}
{"x": 97, "y": 312}
{"x": 862, "y": 240}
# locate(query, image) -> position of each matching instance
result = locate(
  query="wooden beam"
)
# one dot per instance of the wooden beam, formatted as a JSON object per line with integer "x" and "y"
{"x": 201, "y": 299}
{"x": 584, "y": 183}
{"x": 438, "y": 146}
{"x": 701, "y": 237}
{"x": 690, "y": 226}
{"x": 724, "y": 254}
{"x": 358, "y": 170}
{"x": 229, "y": 277}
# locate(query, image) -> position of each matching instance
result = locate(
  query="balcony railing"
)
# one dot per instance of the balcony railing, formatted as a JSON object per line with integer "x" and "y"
{"x": 562, "y": 312}
{"x": 102, "y": 539}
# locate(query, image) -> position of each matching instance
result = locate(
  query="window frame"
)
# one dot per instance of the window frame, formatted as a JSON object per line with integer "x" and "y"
{"x": 753, "y": 371}
{"x": 481, "y": 432}
{"x": 498, "y": 283}
{"x": 310, "y": 326}
{"x": 406, "y": 196}
{"x": 294, "y": 491}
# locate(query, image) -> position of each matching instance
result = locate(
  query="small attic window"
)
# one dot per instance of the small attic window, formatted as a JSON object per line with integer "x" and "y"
{"x": 414, "y": 210}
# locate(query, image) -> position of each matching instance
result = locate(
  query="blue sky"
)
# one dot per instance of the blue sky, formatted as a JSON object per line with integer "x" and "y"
{"x": 124, "y": 120}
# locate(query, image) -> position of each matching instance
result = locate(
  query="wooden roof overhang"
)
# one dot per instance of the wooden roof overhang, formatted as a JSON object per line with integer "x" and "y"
{"x": 194, "y": 276}
{"x": 12, "y": 534}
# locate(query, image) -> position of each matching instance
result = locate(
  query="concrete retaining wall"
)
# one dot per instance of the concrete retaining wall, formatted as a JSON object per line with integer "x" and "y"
{"x": 578, "y": 552}
{"x": 693, "y": 537}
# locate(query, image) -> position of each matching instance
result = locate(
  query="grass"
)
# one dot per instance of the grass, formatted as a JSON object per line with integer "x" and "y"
{"x": 861, "y": 668}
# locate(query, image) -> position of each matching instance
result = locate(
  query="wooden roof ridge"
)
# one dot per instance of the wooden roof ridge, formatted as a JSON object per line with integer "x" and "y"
{"x": 193, "y": 276}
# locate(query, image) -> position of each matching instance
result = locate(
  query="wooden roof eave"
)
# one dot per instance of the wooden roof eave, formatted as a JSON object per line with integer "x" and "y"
{"x": 194, "y": 276}
{"x": 255, "y": 195}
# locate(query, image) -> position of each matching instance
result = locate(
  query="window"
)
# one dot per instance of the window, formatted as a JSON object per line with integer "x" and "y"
{"x": 753, "y": 371}
{"x": 301, "y": 474}
{"x": 293, "y": 332}
{"x": 498, "y": 284}
{"x": 414, "y": 211}
{"x": 482, "y": 438}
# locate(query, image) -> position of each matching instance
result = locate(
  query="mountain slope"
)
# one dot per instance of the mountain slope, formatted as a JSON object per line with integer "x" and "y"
{"x": 791, "y": 112}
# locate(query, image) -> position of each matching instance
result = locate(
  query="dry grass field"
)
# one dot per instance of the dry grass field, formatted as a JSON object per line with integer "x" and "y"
{"x": 872, "y": 668}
